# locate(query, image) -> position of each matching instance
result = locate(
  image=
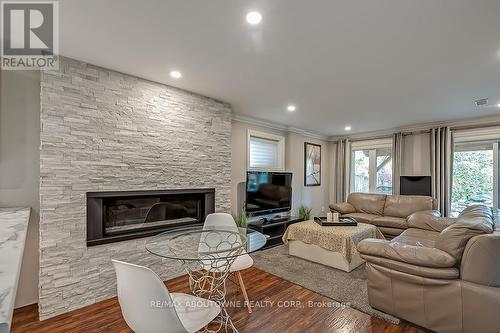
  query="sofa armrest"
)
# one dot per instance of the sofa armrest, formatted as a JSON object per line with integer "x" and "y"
{"x": 481, "y": 260}
{"x": 410, "y": 254}
{"x": 429, "y": 220}
{"x": 426, "y": 272}
{"x": 343, "y": 208}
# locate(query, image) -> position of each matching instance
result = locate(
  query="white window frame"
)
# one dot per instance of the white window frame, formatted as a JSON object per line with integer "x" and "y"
{"x": 267, "y": 136}
{"x": 371, "y": 146}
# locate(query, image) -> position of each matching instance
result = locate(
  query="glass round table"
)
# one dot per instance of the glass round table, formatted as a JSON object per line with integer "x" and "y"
{"x": 207, "y": 254}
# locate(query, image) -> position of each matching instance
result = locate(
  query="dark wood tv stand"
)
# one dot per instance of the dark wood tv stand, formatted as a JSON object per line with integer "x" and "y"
{"x": 274, "y": 230}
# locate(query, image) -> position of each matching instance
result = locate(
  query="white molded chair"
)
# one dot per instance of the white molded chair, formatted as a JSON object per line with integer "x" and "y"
{"x": 148, "y": 307}
{"x": 241, "y": 262}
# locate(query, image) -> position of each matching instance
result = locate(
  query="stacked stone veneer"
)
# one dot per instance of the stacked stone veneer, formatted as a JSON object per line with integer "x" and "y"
{"x": 107, "y": 131}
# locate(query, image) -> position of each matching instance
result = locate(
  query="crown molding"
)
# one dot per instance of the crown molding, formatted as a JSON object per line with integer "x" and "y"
{"x": 485, "y": 121}
{"x": 309, "y": 134}
{"x": 258, "y": 122}
{"x": 278, "y": 127}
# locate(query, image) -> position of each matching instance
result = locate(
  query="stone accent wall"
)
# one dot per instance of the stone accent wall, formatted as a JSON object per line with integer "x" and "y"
{"x": 107, "y": 131}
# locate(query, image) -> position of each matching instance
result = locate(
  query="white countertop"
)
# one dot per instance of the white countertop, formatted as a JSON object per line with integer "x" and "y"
{"x": 13, "y": 227}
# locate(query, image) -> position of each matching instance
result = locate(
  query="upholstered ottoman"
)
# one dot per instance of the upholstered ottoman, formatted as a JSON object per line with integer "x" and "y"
{"x": 330, "y": 246}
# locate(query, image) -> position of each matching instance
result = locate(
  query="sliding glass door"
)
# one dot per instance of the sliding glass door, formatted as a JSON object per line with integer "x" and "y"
{"x": 475, "y": 175}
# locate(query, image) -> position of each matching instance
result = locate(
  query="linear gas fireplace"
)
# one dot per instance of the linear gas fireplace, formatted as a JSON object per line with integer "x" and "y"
{"x": 117, "y": 216}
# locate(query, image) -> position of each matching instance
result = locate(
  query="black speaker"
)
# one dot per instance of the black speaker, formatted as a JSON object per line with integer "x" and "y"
{"x": 416, "y": 185}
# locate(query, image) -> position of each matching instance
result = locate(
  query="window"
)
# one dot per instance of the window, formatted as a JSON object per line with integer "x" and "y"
{"x": 475, "y": 170}
{"x": 361, "y": 171}
{"x": 265, "y": 151}
{"x": 371, "y": 167}
{"x": 384, "y": 171}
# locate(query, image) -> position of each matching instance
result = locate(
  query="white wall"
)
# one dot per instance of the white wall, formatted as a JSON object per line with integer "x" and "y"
{"x": 19, "y": 164}
{"x": 316, "y": 197}
{"x": 417, "y": 155}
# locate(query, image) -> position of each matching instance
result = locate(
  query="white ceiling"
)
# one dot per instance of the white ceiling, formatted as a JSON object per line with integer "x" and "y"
{"x": 372, "y": 64}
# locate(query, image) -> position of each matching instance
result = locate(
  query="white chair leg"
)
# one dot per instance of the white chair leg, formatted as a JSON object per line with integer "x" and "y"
{"x": 244, "y": 291}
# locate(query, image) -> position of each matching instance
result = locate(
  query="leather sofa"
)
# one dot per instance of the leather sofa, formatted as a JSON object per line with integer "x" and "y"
{"x": 441, "y": 273}
{"x": 388, "y": 212}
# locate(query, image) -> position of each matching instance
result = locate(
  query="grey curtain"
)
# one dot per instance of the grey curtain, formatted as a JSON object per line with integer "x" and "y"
{"x": 342, "y": 164}
{"x": 441, "y": 167}
{"x": 397, "y": 160}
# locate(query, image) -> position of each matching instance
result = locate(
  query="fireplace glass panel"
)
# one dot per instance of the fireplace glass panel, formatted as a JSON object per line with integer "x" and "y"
{"x": 126, "y": 214}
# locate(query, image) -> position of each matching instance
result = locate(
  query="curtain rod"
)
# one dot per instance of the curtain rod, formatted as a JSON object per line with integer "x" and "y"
{"x": 416, "y": 132}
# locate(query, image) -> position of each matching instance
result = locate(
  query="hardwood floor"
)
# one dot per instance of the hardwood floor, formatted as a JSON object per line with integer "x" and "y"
{"x": 273, "y": 312}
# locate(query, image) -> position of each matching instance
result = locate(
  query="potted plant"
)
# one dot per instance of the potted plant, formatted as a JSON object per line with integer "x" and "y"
{"x": 305, "y": 213}
{"x": 241, "y": 222}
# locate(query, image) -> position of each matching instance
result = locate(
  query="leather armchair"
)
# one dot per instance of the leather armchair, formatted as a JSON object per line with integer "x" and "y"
{"x": 441, "y": 273}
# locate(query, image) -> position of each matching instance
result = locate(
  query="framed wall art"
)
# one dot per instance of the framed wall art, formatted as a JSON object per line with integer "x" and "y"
{"x": 312, "y": 164}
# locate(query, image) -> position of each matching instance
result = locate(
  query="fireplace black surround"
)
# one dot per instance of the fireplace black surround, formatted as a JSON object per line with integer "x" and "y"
{"x": 122, "y": 215}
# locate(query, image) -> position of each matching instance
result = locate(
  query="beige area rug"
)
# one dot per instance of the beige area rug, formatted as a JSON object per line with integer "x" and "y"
{"x": 330, "y": 282}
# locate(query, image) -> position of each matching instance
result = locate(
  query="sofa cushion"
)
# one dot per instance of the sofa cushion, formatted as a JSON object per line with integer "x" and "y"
{"x": 362, "y": 217}
{"x": 343, "y": 208}
{"x": 472, "y": 221}
{"x": 367, "y": 203}
{"x": 390, "y": 232}
{"x": 429, "y": 220}
{"x": 405, "y": 205}
{"x": 418, "y": 237}
{"x": 391, "y": 222}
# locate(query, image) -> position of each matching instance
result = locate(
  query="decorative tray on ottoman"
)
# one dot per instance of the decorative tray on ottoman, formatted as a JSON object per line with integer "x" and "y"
{"x": 343, "y": 222}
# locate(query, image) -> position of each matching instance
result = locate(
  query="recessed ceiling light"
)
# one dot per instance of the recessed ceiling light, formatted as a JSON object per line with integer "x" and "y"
{"x": 291, "y": 108}
{"x": 348, "y": 128}
{"x": 176, "y": 74}
{"x": 498, "y": 105}
{"x": 253, "y": 18}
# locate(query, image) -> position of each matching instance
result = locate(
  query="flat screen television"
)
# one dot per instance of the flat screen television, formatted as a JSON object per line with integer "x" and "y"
{"x": 416, "y": 185}
{"x": 268, "y": 192}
